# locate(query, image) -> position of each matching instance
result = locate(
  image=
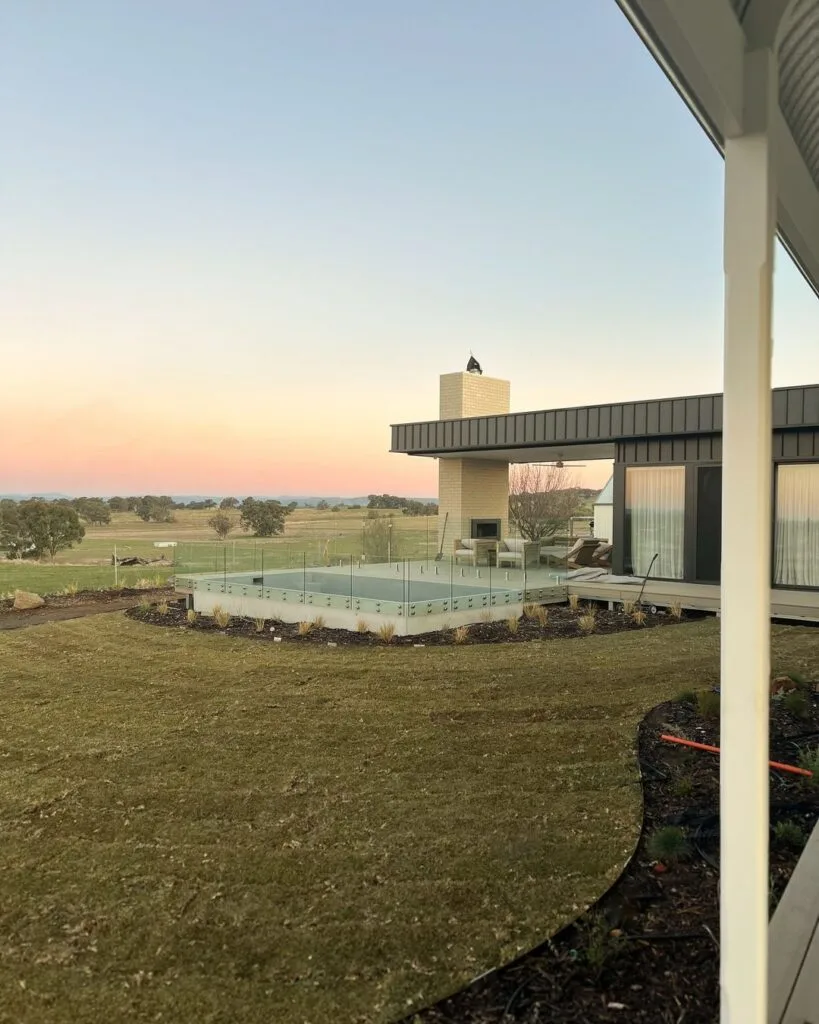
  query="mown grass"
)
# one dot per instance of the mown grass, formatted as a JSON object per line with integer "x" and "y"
{"x": 198, "y": 827}
{"x": 311, "y": 536}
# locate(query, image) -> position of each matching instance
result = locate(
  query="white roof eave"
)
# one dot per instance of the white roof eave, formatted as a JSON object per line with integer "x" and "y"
{"x": 701, "y": 47}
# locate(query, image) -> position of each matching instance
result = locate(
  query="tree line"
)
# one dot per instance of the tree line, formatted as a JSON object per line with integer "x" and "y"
{"x": 409, "y": 506}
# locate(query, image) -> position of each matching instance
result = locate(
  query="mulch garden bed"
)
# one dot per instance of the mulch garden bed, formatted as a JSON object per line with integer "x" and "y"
{"x": 83, "y": 597}
{"x": 562, "y": 622}
{"x": 648, "y": 951}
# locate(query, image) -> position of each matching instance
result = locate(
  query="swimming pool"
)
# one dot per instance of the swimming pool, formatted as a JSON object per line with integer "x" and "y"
{"x": 416, "y": 597}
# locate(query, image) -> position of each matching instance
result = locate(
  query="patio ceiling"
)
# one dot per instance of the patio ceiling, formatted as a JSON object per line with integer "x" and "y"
{"x": 701, "y": 46}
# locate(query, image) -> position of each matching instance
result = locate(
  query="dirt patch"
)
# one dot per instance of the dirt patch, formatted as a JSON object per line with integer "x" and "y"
{"x": 649, "y": 950}
{"x": 562, "y": 622}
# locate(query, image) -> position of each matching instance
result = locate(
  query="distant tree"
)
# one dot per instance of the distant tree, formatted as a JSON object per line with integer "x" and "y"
{"x": 48, "y": 526}
{"x": 221, "y": 523}
{"x": 292, "y": 504}
{"x": 93, "y": 510}
{"x": 229, "y": 503}
{"x": 541, "y": 499}
{"x": 322, "y": 505}
{"x": 264, "y": 518}
{"x": 14, "y": 537}
{"x": 157, "y": 509}
{"x": 117, "y": 504}
{"x": 409, "y": 506}
{"x": 378, "y": 541}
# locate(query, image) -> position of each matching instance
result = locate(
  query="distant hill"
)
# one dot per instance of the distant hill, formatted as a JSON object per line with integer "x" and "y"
{"x": 285, "y": 499}
{"x": 47, "y": 495}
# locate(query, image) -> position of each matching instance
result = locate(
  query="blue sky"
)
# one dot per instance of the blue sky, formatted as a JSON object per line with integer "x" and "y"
{"x": 241, "y": 239}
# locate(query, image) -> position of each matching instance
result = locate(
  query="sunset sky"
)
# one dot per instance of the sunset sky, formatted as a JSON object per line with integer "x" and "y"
{"x": 239, "y": 240}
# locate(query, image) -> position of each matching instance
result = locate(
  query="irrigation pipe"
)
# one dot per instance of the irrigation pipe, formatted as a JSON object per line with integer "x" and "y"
{"x": 716, "y": 750}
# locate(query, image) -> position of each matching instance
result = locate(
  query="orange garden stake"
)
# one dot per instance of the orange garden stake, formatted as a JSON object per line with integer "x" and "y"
{"x": 715, "y": 750}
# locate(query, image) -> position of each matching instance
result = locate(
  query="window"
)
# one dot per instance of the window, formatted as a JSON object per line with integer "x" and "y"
{"x": 655, "y": 510}
{"x": 796, "y": 540}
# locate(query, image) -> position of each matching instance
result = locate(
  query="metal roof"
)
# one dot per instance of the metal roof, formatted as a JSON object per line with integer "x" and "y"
{"x": 701, "y": 45}
{"x": 589, "y": 431}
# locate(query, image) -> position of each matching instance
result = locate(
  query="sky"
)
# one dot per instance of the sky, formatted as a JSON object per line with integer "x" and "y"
{"x": 239, "y": 240}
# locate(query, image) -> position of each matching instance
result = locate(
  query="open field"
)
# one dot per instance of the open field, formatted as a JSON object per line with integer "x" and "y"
{"x": 309, "y": 534}
{"x": 206, "y": 828}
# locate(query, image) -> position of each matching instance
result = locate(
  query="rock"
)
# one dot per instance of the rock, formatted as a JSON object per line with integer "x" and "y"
{"x": 782, "y": 684}
{"x": 24, "y": 600}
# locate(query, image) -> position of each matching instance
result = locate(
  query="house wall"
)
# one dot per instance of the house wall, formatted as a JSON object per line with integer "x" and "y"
{"x": 603, "y": 522}
{"x": 796, "y": 445}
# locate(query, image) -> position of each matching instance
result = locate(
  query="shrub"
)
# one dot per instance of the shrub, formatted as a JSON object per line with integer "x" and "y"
{"x": 686, "y": 697}
{"x": 486, "y": 615}
{"x": 304, "y": 628}
{"x": 790, "y": 835}
{"x": 387, "y": 631}
{"x": 142, "y": 584}
{"x": 258, "y": 623}
{"x": 797, "y": 703}
{"x": 574, "y": 602}
{"x": 460, "y": 634}
{"x": 675, "y": 610}
{"x": 587, "y": 621}
{"x": 638, "y": 617}
{"x": 318, "y": 622}
{"x": 530, "y": 611}
{"x": 162, "y": 608}
{"x": 668, "y": 844}
{"x": 191, "y": 615}
{"x": 71, "y": 589}
{"x": 221, "y": 617}
{"x": 362, "y": 626}
{"x": 512, "y": 624}
{"x": 683, "y": 786}
{"x": 601, "y": 942}
{"x": 708, "y": 704}
{"x": 628, "y": 607}
{"x": 144, "y": 606}
{"x": 542, "y": 614}
{"x": 809, "y": 760}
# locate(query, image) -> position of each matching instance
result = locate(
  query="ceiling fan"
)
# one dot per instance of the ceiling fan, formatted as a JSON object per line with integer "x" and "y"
{"x": 560, "y": 464}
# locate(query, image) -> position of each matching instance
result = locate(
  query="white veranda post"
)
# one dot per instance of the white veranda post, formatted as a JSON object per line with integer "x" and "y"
{"x": 750, "y": 223}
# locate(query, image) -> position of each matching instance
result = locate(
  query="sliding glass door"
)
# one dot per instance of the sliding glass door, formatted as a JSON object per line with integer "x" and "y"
{"x": 796, "y": 536}
{"x": 655, "y": 518}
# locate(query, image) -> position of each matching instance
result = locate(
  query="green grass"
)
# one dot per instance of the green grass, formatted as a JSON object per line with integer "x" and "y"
{"x": 48, "y": 579}
{"x": 198, "y": 827}
{"x": 311, "y": 536}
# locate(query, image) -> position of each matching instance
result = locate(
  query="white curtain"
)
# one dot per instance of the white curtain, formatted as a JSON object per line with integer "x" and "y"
{"x": 796, "y": 544}
{"x": 655, "y": 499}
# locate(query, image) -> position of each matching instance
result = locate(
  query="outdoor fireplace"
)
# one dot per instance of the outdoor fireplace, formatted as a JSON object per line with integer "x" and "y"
{"x": 485, "y": 529}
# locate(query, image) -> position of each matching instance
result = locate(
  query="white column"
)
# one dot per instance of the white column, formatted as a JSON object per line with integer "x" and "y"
{"x": 750, "y": 223}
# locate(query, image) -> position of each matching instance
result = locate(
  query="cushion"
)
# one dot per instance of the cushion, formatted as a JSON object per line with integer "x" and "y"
{"x": 514, "y": 544}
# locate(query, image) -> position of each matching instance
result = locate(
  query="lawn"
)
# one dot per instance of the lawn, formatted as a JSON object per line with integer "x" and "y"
{"x": 202, "y": 828}
{"x": 312, "y": 536}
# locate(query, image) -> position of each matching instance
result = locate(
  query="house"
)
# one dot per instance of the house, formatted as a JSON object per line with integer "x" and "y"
{"x": 662, "y": 508}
